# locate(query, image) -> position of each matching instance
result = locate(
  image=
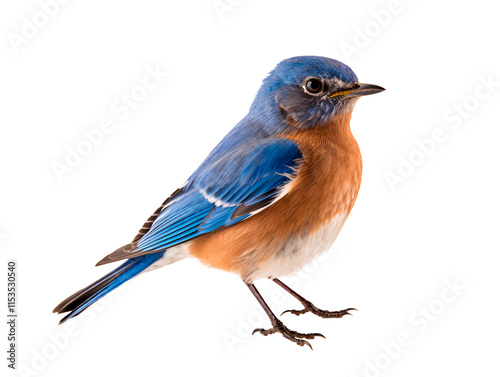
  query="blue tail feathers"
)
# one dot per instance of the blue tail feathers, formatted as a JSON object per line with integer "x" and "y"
{"x": 81, "y": 300}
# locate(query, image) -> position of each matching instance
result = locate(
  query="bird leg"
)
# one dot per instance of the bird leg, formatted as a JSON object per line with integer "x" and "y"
{"x": 309, "y": 307}
{"x": 278, "y": 326}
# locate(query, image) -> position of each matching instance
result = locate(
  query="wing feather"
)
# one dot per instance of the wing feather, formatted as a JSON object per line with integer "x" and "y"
{"x": 222, "y": 192}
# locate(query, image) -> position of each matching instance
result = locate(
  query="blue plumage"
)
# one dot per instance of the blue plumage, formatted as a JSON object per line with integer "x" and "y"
{"x": 279, "y": 93}
{"x": 219, "y": 188}
{"x": 244, "y": 174}
{"x": 87, "y": 296}
{"x": 237, "y": 183}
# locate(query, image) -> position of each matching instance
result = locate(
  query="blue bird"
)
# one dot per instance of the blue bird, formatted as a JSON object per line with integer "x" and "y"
{"x": 271, "y": 196}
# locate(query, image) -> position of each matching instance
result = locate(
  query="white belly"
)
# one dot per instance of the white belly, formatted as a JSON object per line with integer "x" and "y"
{"x": 172, "y": 255}
{"x": 299, "y": 251}
{"x": 291, "y": 257}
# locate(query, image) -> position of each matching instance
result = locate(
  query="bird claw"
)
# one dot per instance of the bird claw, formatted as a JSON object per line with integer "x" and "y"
{"x": 296, "y": 312}
{"x": 291, "y": 335}
{"x": 309, "y": 307}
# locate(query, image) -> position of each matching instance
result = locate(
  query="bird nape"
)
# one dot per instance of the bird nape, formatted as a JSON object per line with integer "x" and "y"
{"x": 271, "y": 196}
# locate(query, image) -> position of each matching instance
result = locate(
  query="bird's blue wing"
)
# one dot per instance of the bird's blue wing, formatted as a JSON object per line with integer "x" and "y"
{"x": 222, "y": 192}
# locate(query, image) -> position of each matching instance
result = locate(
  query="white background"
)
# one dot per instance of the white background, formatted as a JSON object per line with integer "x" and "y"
{"x": 397, "y": 254}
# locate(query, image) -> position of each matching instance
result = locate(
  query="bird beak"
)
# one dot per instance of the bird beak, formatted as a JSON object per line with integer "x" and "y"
{"x": 359, "y": 90}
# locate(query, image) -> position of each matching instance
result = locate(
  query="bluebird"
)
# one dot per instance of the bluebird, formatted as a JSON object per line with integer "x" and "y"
{"x": 271, "y": 196}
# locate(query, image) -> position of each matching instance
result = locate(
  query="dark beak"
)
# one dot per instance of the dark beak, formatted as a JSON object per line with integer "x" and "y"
{"x": 360, "y": 90}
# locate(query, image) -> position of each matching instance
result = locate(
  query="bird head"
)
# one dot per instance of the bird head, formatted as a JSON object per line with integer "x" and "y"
{"x": 306, "y": 91}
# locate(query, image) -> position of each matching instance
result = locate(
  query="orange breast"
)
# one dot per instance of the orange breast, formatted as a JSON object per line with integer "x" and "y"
{"x": 326, "y": 184}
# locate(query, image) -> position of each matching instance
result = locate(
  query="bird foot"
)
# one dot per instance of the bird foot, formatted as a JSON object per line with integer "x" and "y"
{"x": 309, "y": 307}
{"x": 291, "y": 335}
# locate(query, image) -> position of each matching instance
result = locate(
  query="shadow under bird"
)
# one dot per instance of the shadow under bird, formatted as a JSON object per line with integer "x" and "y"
{"x": 271, "y": 196}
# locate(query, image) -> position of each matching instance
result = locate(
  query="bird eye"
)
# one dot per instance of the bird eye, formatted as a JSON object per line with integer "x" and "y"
{"x": 313, "y": 86}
